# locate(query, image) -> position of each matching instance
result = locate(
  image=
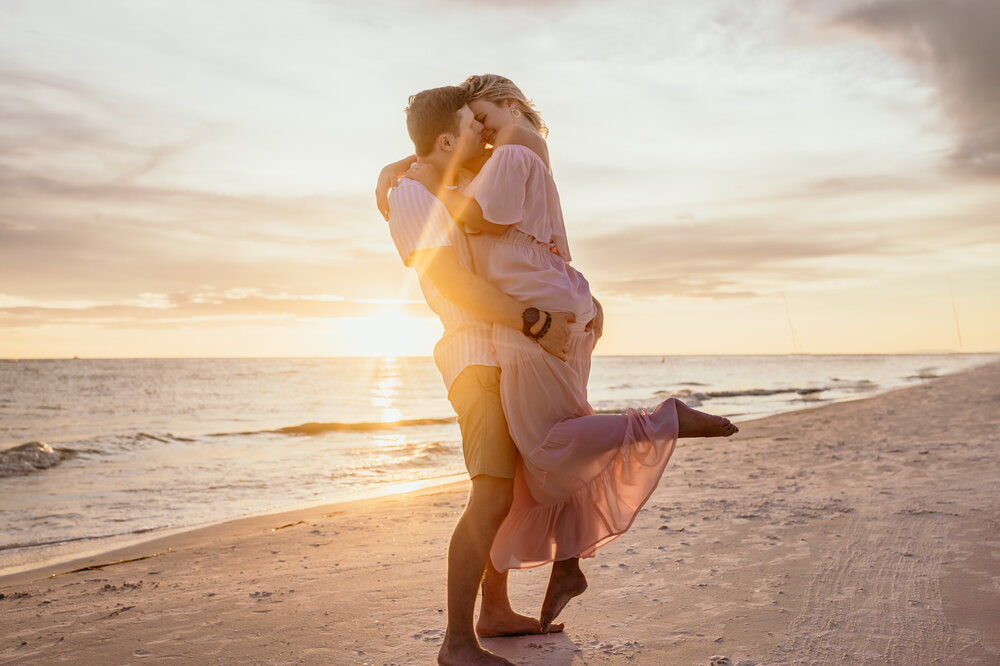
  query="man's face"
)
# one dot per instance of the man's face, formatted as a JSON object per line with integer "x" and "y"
{"x": 470, "y": 136}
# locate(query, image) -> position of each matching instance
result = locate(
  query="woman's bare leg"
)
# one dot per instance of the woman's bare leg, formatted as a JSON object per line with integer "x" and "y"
{"x": 692, "y": 423}
{"x": 566, "y": 582}
{"x": 497, "y": 618}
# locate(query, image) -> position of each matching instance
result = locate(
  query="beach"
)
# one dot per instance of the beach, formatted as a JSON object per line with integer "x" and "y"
{"x": 864, "y": 532}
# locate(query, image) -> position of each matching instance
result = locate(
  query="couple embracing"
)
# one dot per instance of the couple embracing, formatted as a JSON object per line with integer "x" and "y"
{"x": 551, "y": 480}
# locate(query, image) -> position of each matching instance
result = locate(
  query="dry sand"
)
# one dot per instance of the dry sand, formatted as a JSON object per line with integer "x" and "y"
{"x": 862, "y": 532}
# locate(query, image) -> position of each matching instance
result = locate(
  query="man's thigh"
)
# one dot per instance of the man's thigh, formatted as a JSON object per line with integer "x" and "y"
{"x": 486, "y": 443}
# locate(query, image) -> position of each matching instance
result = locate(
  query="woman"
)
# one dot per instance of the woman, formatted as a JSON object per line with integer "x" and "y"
{"x": 582, "y": 477}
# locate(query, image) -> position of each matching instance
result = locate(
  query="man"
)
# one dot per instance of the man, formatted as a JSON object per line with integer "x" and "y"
{"x": 446, "y": 135}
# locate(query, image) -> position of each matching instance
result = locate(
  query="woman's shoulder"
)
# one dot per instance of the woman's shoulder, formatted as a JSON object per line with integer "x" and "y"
{"x": 518, "y": 138}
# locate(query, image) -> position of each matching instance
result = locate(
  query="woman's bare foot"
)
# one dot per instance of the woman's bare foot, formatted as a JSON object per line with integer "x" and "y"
{"x": 692, "y": 423}
{"x": 492, "y": 624}
{"x": 467, "y": 654}
{"x": 566, "y": 582}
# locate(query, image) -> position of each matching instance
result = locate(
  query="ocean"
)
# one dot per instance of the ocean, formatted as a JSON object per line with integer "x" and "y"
{"x": 97, "y": 453}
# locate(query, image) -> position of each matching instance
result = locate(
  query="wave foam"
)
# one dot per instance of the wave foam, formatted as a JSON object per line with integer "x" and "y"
{"x": 314, "y": 428}
{"x": 31, "y": 457}
{"x": 756, "y": 393}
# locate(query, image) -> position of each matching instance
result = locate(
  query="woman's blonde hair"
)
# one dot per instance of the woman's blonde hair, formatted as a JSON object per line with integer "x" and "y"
{"x": 496, "y": 89}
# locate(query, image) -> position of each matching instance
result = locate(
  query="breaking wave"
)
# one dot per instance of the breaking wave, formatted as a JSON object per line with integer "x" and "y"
{"x": 30, "y": 458}
{"x": 755, "y": 393}
{"x": 52, "y": 542}
{"x": 334, "y": 426}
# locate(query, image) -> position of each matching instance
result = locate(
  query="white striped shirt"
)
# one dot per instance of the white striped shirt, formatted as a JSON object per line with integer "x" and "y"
{"x": 419, "y": 221}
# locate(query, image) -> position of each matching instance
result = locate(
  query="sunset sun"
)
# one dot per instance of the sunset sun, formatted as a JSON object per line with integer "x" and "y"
{"x": 386, "y": 333}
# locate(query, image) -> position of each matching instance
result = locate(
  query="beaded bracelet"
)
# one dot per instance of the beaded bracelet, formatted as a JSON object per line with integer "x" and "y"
{"x": 545, "y": 328}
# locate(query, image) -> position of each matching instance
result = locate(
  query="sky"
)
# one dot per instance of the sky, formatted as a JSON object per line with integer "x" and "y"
{"x": 187, "y": 178}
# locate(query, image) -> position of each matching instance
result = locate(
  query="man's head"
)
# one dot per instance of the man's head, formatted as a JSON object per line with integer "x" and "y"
{"x": 440, "y": 120}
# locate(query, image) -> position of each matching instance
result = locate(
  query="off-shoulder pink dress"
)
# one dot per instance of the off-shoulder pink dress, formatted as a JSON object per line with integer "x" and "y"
{"x": 582, "y": 477}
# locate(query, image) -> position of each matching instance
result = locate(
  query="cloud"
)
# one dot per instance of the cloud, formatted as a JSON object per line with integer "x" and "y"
{"x": 57, "y": 126}
{"x": 108, "y": 241}
{"x": 88, "y": 215}
{"x": 204, "y": 307}
{"x": 803, "y": 240}
{"x": 719, "y": 259}
{"x": 954, "y": 45}
{"x": 708, "y": 287}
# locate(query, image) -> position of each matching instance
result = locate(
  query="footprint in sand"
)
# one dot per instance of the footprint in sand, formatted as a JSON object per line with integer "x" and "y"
{"x": 627, "y": 649}
{"x": 429, "y": 635}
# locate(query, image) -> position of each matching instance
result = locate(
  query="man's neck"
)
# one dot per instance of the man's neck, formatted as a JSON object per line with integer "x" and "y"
{"x": 445, "y": 165}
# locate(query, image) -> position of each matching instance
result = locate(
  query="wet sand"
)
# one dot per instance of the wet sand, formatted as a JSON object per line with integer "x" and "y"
{"x": 865, "y": 532}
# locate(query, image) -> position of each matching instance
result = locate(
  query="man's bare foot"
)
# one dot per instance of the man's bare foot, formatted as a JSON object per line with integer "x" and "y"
{"x": 467, "y": 653}
{"x": 566, "y": 582}
{"x": 692, "y": 423}
{"x": 492, "y": 624}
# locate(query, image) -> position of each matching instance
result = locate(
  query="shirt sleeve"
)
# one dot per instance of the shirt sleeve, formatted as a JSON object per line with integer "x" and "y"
{"x": 501, "y": 186}
{"x": 417, "y": 221}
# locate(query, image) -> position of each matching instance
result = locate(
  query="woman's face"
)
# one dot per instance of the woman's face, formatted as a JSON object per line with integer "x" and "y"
{"x": 493, "y": 116}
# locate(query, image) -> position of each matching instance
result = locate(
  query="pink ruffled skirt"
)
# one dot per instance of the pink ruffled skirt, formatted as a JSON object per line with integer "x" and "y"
{"x": 582, "y": 477}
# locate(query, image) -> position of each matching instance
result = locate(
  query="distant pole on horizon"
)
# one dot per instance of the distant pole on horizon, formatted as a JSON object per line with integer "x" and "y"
{"x": 954, "y": 311}
{"x": 796, "y": 347}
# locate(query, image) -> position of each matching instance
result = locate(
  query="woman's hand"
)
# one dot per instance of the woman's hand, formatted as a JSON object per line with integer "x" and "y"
{"x": 426, "y": 175}
{"x": 387, "y": 179}
{"x": 597, "y": 323}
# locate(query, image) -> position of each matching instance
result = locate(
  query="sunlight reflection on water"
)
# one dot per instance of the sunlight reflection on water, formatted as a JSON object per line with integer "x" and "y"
{"x": 388, "y": 379}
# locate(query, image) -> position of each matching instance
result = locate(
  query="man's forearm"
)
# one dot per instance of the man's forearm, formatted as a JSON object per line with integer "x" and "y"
{"x": 481, "y": 298}
{"x": 467, "y": 211}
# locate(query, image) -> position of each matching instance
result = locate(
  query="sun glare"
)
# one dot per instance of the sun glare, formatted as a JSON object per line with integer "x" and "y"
{"x": 388, "y": 333}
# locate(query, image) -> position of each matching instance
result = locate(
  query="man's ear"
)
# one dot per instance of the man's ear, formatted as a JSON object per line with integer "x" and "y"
{"x": 446, "y": 142}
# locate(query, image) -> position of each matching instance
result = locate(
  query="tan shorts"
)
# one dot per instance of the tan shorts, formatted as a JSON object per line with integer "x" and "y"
{"x": 488, "y": 448}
